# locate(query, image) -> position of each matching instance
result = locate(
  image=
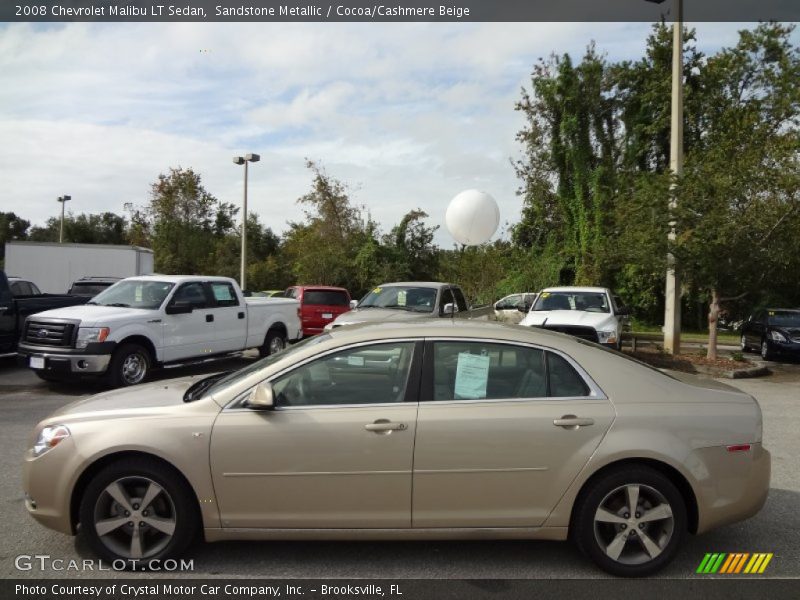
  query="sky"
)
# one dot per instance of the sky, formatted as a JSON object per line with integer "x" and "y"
{"x": 406, "y": 114}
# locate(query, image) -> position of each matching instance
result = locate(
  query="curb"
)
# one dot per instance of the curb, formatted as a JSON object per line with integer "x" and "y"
{"x": 758, "y": 371}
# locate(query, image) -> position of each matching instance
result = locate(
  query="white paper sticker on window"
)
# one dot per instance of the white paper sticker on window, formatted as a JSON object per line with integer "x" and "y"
{"x": 472, "y": 376}
{"x": 355, "y": 361}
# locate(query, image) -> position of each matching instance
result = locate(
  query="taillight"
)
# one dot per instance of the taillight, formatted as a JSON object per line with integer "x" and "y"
{"x": 739, "y": 448}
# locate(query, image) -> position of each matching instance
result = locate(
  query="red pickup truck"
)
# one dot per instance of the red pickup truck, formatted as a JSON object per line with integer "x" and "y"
{"x": 319, "y": 305}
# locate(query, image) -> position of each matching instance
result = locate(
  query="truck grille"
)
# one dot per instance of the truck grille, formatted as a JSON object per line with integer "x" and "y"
{"x": 44, "y": 333}
{"x": 585, "y": 333}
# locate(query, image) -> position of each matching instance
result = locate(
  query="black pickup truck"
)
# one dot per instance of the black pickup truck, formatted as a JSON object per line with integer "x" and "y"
{"x": 15, "y": 309}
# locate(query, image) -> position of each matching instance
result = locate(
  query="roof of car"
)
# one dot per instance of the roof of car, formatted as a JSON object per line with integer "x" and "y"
{"x": 181, "y": 278}
{"x": 91, "y": 278}
{"x": 319, "y": 287}
{"x": 575, "y": 289}
{"x": 423, "y": 284}
{"x": 446, "y": 328}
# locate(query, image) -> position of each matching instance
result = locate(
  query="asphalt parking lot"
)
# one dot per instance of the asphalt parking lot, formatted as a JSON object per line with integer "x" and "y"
{"x": 24, "y": 400}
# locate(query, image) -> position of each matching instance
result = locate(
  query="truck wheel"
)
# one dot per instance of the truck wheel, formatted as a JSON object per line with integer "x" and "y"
{"x": 275, "y": 342}
{"x": 129, "y": 365}
{"x": 136, "y": 511}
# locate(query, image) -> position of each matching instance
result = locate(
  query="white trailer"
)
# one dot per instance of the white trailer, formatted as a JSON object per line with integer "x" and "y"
{"x": 53, "y": 267}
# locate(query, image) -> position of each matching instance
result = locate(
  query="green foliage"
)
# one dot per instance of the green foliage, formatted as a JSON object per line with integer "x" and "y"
{"x": 12, "y": 228}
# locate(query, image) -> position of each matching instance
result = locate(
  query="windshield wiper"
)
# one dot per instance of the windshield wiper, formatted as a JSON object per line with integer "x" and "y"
{"x": 90, "y": 302}
{"x": 396, "y": 306}
{"x": 120, "y": 304}
{"x": 201, "y": 386}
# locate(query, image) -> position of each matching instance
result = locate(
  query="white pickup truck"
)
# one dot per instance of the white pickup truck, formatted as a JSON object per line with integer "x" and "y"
{"x": 591, "y": 313}
{"x": 151, "y": 321}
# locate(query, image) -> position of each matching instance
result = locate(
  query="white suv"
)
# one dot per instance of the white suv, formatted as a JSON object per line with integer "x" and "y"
{"x": 591, "y": 313}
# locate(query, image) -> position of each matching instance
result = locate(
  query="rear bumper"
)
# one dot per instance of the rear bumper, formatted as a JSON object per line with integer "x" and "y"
{"x": 733, "y": 486}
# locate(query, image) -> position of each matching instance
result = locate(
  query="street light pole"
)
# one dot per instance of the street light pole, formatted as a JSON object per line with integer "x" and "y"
{"x": 63, "y": 200}
{"x": 672, "y": 304}
{"x": 672, "y": 291}
{"x": 243, "y": 160}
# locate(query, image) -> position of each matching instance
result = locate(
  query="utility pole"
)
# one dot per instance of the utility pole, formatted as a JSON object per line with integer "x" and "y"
{"x": 63, "y": 200}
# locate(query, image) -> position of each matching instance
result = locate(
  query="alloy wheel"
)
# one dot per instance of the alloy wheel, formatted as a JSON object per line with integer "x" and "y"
{"x": 633, "y": 524}
{"x": 134, "y": 517}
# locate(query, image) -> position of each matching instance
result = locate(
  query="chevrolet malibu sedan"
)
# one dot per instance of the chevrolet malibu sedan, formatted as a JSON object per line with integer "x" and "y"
{"x": 413, "y": 430}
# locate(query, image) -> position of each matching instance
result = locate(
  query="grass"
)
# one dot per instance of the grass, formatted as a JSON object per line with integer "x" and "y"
{"x": 638, "y": 328}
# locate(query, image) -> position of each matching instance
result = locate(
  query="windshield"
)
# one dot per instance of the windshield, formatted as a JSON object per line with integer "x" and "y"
{"x": 401, "y": 297}
{"x": 244, "y": 372}
{"x": 586, "y": 301}
{"x": 134, "y": 293}
{"x": 784, "y": 318}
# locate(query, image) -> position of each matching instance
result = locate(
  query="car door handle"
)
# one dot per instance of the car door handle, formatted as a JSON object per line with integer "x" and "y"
{"x": 209, "y": 318}
{"x": 572, "y": 422}
{"x": 385, "y": 426}
{"x": 240, "y": 315}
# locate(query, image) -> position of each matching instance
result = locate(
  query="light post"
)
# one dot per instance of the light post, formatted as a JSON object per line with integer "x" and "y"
{"x": 672, "y": 300}
{"x": 63, "y": 200}
{"x": 243, "y": 160}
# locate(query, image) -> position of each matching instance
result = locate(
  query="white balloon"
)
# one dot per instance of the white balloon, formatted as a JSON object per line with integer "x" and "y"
{"x": 472, "y": 217}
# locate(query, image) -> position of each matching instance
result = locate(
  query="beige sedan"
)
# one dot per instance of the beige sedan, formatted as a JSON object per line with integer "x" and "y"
{"x": 445, "y": 430}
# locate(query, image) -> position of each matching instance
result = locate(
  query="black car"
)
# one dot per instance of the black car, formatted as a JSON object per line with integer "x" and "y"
{"x": 774, "y": 332}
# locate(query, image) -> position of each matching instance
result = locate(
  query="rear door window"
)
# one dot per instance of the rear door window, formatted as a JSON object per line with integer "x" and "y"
{"x": 563, "y": 379}
{"x": 224, "y": 294}
{"x": 326, "y": 298}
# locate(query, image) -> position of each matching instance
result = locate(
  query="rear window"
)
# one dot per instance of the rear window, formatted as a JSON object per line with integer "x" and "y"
{"x": 326, "y": 298}
{"x": 88, "y": 289}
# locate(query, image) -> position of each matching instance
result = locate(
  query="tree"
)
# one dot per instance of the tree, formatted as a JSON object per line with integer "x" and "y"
{"x": 98, "y": 228}
{"x": 739, "y": 201}
{"x": 12, "y": 228}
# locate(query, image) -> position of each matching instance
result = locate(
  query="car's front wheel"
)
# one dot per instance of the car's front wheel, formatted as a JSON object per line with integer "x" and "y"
{"x": 130, "y": 365}
{"x": 136, "y": 511}
{"x": 630, "y": 522}
{"x": 766, "y": 352}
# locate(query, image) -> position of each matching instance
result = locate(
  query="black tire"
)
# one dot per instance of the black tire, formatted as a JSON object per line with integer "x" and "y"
{"x": 634, "y": 560}
{"x": 743, "y": 344}
{"x": 120, "y": 373}
{"x": 274, "y": 342}
{"x": 174, "y": 505}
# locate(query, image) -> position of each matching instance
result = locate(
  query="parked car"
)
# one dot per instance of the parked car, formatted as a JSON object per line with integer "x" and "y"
{"x": 319, "y": 305}
{"x": 91, "y": 286}
{"x": 774, "y": 332}
{"x": 591, "y": 313}
{"x": 411, "y": 430}
{"x": 15, "y": 307}
{"x": 146, "y": 322}
{"x": 512, "y": 308}
{"x": 410, "y": 300}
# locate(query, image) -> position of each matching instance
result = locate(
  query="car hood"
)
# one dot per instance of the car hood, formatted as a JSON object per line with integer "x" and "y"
{"x": 374, "y": 315}
{"x": 599, "y": 321}
{"x": 133, "y": 401}
{"x": 93, "y": 315}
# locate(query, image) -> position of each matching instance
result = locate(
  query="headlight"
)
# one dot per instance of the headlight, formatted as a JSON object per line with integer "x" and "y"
{"x": 607, "y": 337}
{"x": 91, "y": 334}
{"x": 49, "y": 438}
{"x": 777, "y": 336}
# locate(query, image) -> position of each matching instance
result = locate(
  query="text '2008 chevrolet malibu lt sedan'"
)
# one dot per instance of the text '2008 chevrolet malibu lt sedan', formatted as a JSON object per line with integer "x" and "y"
{"x": 424, "y": 430}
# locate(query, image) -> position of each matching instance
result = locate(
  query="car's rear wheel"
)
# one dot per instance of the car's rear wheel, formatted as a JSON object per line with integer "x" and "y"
{"x": 137, "y": 511}
{"x": 630, "y": 522}
{"x": 129, "y": 365}
{"x": 743, "y": 344}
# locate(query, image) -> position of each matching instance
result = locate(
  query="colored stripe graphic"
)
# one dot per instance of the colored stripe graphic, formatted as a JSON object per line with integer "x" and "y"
{"x": 734, "y": 563}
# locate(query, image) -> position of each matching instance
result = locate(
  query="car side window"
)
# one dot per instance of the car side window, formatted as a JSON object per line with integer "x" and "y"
{"x": 34, "y": 290}
{"x": 563, "y": 379}
{"x": 373, "y": 374}
{"x": 193, "y": 293}
{"x": 224, "y": 294}
{"x": 478, "y": 371}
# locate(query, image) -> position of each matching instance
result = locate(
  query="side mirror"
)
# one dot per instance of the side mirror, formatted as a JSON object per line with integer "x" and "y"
{"x": 262, "y": 397}
{"x": 449, "y": 309}
{"x": 353, "y": 304}
{"x": 624, "y": 311}
{"x": 181, "y": 307}
{"x": 523, "y": 308}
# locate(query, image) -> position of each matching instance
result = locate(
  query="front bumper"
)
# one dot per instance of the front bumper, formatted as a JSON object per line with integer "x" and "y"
{"x": 788, "y": 348}
{"x": 93, "y": 360}
{"x": 47, "y": 483}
